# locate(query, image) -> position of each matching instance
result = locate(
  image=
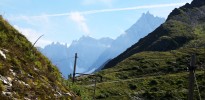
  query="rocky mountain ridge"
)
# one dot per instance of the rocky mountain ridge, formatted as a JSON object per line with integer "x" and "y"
{"x": 178, "y": 30}
{"x": 144, "y": 25}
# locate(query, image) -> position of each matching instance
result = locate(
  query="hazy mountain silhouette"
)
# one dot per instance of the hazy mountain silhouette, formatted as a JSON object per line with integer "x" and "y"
{"x": 146, "y": 24}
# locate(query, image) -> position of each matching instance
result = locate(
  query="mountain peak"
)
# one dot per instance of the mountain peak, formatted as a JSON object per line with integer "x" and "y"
{"x": 177, "y": 31}
{"x": 144, "y": 25}
{"x": 84, "y": 37}
{"x": 148, "y": 21}
{"x": 147, "y": 14}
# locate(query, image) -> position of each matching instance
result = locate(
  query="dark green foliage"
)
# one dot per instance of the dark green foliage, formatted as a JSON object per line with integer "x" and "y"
{"x": 168, "y": 95}
{"x": 132, "y": 86}
{"x": 153, "y": 82}
{"x": 179, "y": 82}
{"x": 153, "y": 89}
{"x": 161, "y": 74}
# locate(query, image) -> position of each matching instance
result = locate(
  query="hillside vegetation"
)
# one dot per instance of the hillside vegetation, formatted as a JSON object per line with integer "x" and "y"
{"x": 150, "y": 75}
{"x": 179, "y": 29}
{"x": 24, "y": 72}
{"x": 156, "y": 67}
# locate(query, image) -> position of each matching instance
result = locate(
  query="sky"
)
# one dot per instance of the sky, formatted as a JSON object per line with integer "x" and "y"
{"x": 67, "y": 20}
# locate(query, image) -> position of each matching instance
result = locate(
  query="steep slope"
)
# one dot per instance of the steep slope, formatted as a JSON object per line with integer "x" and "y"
{"x": 159, "y": 73}
{"x": 58, "y": 55}
{"x": 146, "y": 24}
{"x": 150, "y": 76}
{"x": 24, "y": 72}
{"x": 178, "y": 30}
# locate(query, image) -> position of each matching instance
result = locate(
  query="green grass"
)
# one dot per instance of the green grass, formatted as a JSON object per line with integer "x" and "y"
{"x": 155, "y": 68}
{"x": 152, "y": 63}
{"x": 170, "y": 86}
{"x": 149, "y": 75}
{"x": 30, "y": 66}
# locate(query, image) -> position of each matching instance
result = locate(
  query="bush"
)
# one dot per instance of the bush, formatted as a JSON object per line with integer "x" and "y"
{"x": 148, "y": 95}
{"x": 132, "y": 86}
{"x": 179, "y": 82}
{"x": 169, "y": 95}
{"x": 153, "y": 89}
{"x": 153, "y": 82}
{"x": 170, "y": 69}
{"x": 38, "y": 64}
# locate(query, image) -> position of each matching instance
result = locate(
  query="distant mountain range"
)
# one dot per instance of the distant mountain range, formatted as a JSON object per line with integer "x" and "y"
{"x": 93, "y": 53}
{"x": 87, "y": 48}
{"x": 177, "y": 31}
{"x": 146, "y": 24}
{"x": 157, "y": 66}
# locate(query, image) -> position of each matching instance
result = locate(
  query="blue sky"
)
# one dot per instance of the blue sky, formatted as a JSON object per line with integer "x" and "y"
{"x": 67, "y": 20}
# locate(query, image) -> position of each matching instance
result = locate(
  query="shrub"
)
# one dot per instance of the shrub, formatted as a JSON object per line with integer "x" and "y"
{"x": 179, "y": 82}
{"x": 38, "y": 64}
{"x": 154, "y": 89}
{"x": 153, "y": 82}
{"x": 148, "y": 95}
{"x": 132, "y": 86}
{"x": 168, "y": 95}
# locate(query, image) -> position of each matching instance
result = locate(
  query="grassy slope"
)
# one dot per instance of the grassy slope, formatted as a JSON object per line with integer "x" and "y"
{"x": 178, "y": 30}
{"x": 155, "y": 74}
{"x": 149, "y": 75}
{"x": 31, "y": 74}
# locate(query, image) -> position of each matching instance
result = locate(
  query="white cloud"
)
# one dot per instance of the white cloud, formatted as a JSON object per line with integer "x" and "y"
{"x": 32, "y": 36}
{"x": 78, "y": 17}
{"x": 115, "y": 9}
{"x": 29, "y": 33}
{"x": 81, "y": 21}
{"x": 133, "y": 8}
{"x": 42, "y": 43}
